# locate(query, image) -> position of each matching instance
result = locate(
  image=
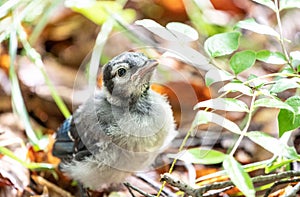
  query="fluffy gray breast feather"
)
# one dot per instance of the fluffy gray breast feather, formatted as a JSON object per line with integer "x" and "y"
{"x": 147, "y": 119}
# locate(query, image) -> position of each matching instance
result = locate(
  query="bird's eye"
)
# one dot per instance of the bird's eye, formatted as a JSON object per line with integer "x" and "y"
{"x": 122, "y": 72}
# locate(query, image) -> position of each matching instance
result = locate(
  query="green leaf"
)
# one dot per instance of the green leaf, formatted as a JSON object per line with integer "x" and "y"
{"x": 174, "y": 31}
{"x": 285, "y": 84}
{"x": 215, "y": 75}
{"x": 241, "y": 61}
{"x": 203, "y": 117}
{"x": 100, "y": 11}
{"x": 237, "y": 87}
{"x": 266, "y": 141}
{"x": 251, "y": 25}
{"x": 200, "y": 156}
{"x": 16, "y": 95}
{"x": 273, "y": 103}
{"x": 287, "y": 120}
{"x": 238, "y": 176}
{"x": 285, "y": 138}
{"x": 278, "y": 163}
{"x": 227, "y": 104}
{"x": 271, "y": 57}
{"x": 273, "y": 145}
{"x": 287, "y": 4}
{"x": 182, "y": 31}
{"x": 222, "y": 44}
{"x": 268, "y": 3}
{"x": 295, "y": 57}
{"x": 157, "y": 29}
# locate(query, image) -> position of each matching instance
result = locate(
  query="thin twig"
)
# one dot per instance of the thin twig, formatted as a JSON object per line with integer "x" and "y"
{"x": 281, "y": 39}
{"x": 178, "y": 184}
{"x": 237, "y": 143}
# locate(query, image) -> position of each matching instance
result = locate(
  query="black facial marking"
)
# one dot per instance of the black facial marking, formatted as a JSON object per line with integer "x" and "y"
{"x": 133, "y": 62}
{"x": 107, "y": 78}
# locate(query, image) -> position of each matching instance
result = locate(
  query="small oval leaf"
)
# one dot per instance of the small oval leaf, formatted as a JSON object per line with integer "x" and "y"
{"x": 203, "y": 117}
{"x": 237, "y": 87}
{"x": 287, "y": 121}
{"x": 222, "y": 44}
{"x": 273, "y": 103}
{"x": 215, "y": 75}
{"x": 157, "y": 29}
{"x": 227, "y": 104}
{"x": 183, "y": 32}
{"x": 200, "y": 156}
{"x": 266, "y": 141}
{"x": 273, "y": 145}
{"x": 239, "y": 176}
{"x": 270, "y": 57}
{"x": 241, "y": 61}
{"x": 287, "y": 4}
{"x": 295, "y": 56}
{"x": 252, "y": 25}
{"x": 269, "y": 3}
{"x": 285, "y": 84}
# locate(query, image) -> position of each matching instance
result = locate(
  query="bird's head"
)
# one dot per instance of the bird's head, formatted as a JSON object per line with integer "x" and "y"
{"x": 126, "y": 77}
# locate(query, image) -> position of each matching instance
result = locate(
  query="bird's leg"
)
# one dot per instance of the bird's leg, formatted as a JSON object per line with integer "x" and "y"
{"x": 127, "y": 185}
{"x": 131, "y": 187}
{"x": 83, "y": 191}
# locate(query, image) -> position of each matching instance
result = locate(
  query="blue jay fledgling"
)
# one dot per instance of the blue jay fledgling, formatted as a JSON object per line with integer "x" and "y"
{"x": 120, "y": 129}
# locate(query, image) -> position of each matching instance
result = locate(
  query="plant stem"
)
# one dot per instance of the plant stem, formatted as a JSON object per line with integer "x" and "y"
{"x": 17, "y": 99}
{"x": 36, "y": 59}
{"x": 272, "y": 75}
{"x": 236, "y": 145}
{"x": 281, "y": 39}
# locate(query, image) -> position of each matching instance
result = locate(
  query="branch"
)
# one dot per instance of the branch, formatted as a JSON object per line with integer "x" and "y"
{"x": 178, "y": 184}
{"x": 197, "y": 192}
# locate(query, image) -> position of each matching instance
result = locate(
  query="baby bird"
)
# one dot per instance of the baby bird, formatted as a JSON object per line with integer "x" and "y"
{"x": 120, "y": 129}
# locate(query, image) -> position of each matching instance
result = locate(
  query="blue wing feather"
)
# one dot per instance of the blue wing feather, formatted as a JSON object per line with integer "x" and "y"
{"x": 63, "y": 133}
{"x": 64, "y": 144}
{"x": 68, "y": 143}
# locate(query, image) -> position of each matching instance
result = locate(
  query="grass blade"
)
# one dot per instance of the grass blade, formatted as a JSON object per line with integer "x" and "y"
{"x": 17, "y": 99}
{"x": 36, "y": 59}
{"x": 31, "y": 166}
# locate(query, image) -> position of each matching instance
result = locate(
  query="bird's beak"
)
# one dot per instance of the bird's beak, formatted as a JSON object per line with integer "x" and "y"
{"x": 148, "y": 68}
